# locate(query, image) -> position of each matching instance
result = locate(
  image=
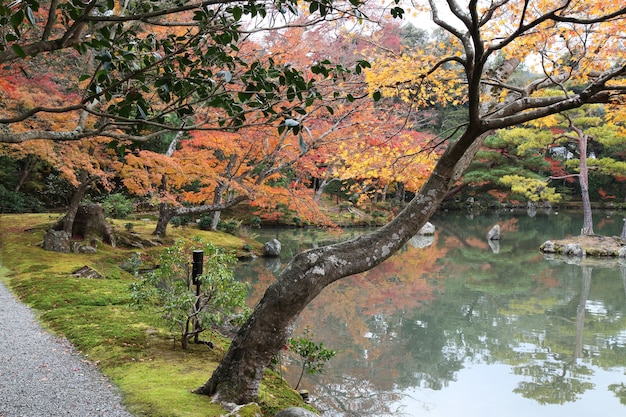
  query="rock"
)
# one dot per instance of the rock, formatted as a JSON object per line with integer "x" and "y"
{"x": 295, "y": 412}
{"x": 86, "y": 272}
{"x": 494, "y": 245}
{"x": 272, "y": 248}
{"x": 494, "y": 233}
{"x": 305, "y": 395}
{"x": 548, "y": 247}
{"x": 57, "y": 241}
{"x": 245, "y": 410}
{"x": 79, "y": 247}
{"x": 427, "y": 230}
{"x": 573, "y": 249}
{"x": 421, "y": 241}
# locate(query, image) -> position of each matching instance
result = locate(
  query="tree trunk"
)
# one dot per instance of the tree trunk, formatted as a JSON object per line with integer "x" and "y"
{"x": 400, "y": 192}
{"x": 68, "y": 220}
{"x": 580, "y": 311}
{"x": 88, "y": 223}
{"x": 166, "y": 213}
{"x": 584, "y": 186}
{"x": 26, "y": 170}
{"x": 322, "y": 186}
{"x": 239, "y": 374}
{"x": 217, "y": 199}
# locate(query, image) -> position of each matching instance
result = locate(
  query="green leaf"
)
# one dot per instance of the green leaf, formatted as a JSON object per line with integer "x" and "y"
{"x": 17, "y": 18}
{"x": 31, "y": 16}
{"x": 19, "y": 51}
{"x": 397, "y": 12}
{"x": 141, "y": 114}
{"x": 377, "y": 95}
{"x": 237, "y": 12}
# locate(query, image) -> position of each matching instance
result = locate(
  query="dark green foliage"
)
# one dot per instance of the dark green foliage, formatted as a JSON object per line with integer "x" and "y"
{"x": 118, "y": 206}
{"x": 205, "y": 222}
{"x": 180, "y": 221}
{"x": 15, "y": 202}
{"x": 255, "y": 221}
{"x": 229, "y": 226}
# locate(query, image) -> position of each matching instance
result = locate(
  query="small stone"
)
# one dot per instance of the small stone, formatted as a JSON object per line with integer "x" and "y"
{"x": 427, "y": 230}
{"x": 548, "y": 247}
{"x": 494, "y": 233}
{"x": 272, "y": 248}
{"x": 572, "y": 249}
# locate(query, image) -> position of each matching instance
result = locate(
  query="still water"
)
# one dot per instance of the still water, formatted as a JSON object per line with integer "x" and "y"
{"x": 452, "y": 326}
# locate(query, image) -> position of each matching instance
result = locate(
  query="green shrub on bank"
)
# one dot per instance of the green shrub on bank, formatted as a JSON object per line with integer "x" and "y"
{"x": 118, "y": 206}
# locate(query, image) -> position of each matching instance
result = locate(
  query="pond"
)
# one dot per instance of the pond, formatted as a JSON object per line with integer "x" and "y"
{"x": 455, "y": 326}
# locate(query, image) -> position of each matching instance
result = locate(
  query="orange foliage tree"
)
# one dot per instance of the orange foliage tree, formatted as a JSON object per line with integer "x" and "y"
{"x": 83, "y": 163}
{"x": 211, "y": 170}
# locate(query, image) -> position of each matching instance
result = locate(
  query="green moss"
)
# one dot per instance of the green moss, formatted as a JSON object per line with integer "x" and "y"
{"x": 162, "y": 387}
{"x": 249, "y": 410}
{"x": 132, "y": 347}
{"x": 272, "y": 403}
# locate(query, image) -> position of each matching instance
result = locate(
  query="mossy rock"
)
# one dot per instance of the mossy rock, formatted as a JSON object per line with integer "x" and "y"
{"x": 592, "y": 246}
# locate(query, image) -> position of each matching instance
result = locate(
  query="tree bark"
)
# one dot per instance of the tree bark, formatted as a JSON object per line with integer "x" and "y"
{"x": 239, "y": 374}
{"x": 583, "y": 178}
{"x": 166, "y": 213}
{"x": 67, "y": 223}
{"x": 217, "y": 199}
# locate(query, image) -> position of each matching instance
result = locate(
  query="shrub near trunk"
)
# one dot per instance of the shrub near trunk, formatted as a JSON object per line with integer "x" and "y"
{"x": 171, "y": 290}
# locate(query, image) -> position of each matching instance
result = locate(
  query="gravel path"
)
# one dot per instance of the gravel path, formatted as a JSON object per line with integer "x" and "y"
{"x": 44, "y": 376}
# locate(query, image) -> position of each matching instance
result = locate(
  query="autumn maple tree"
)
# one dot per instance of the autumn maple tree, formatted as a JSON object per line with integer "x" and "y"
{"x": 153, "y": 64}
{"x": 85, "y": 164}
{"x": 273, "y": 168}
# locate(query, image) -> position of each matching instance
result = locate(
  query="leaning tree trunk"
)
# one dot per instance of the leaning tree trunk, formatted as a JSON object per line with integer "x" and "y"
{"x": 167, "y": 212}
{"x": 239, "y": 374}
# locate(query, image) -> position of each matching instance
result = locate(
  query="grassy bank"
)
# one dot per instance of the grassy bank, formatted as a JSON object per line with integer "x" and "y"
{"x": 133, "y": 347}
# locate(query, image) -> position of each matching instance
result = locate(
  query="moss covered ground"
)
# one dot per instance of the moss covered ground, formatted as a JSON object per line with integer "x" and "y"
{"x": 132, "y": 347}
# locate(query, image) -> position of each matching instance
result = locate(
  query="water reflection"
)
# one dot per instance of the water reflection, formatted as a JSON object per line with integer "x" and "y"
{"x": 456, "y": 328}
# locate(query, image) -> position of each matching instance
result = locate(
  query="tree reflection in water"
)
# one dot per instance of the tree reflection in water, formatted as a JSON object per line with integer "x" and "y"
{"x": 423, "y": 319}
